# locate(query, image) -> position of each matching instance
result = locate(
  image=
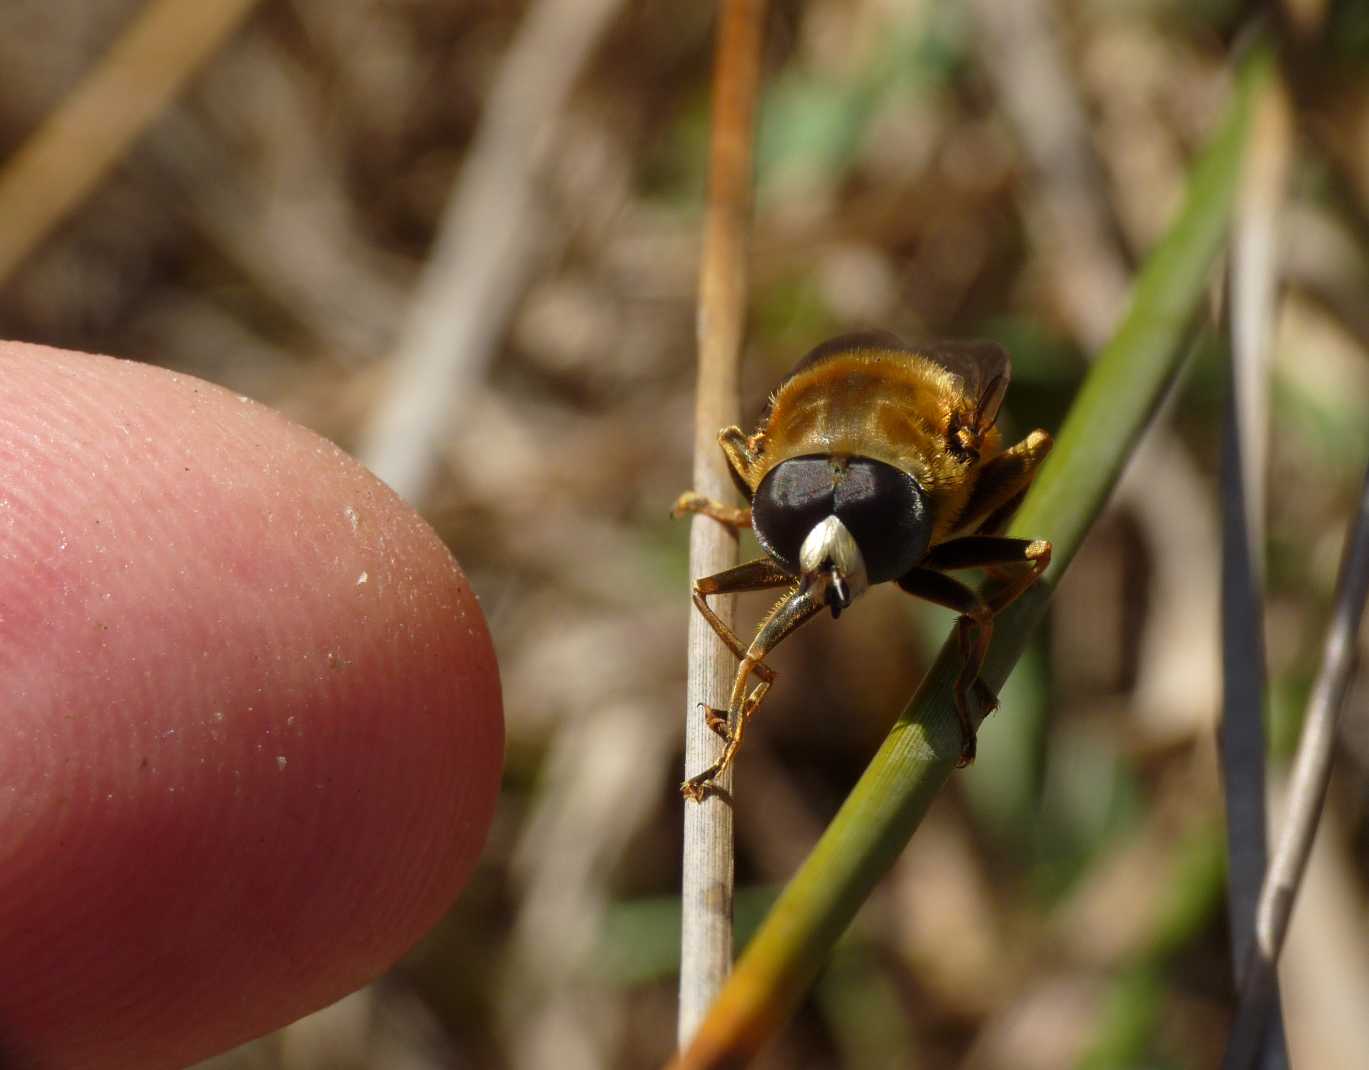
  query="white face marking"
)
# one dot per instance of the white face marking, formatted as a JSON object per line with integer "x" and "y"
{"x": 830, "y": 557}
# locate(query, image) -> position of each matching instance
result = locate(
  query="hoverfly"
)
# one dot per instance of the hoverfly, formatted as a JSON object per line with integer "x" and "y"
{"x": 874, "y": 461}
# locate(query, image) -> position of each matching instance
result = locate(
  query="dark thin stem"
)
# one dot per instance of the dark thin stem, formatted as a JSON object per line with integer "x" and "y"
{"x": 1242, "y": 727}
{"x": 706, "y": 930}
{"x": 1306, "y": 795}
{"x": 1252, "y": 292}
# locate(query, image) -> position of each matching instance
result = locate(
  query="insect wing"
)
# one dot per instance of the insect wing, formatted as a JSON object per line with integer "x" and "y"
{"x": 984, "y": 371}
{"x": 982, "y": 368}
{"x": 841, "y": 346}
{"x": 846, "y": 344}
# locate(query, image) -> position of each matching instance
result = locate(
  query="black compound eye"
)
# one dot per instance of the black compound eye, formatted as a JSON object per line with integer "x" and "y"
{"x": 794, "y": 497}
{"x": 886, "y": 512}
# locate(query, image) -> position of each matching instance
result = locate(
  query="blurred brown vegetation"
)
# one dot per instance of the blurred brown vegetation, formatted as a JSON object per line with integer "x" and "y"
{"x": 934, "y": 168}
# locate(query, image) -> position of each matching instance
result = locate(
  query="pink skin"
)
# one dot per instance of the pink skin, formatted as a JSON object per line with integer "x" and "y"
{"x": 250, "y": 725}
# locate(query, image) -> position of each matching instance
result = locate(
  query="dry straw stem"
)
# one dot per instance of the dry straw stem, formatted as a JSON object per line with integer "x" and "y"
{"x": 1253, "y": 282}
{"x": 485, "y": 247}
{"x": 1306, "y": 797}
{"x": 1065, "y": 204}
{"x": 70, "y": 154}
{"x": 882, "y": 812}
{"x": 706, "y": 929}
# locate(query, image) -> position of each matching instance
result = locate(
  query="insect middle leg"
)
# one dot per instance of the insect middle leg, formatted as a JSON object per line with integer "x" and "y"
{"x": 796, "y": 607}
{"x": 1015, "y": 563}
{"x": 974, "y": 629}
{"x": 1001, "y": 484}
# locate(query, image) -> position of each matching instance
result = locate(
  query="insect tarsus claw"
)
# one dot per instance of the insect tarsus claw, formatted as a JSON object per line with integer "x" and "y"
{"x": 983, "y": 693}
{"x": 686, "y": 503}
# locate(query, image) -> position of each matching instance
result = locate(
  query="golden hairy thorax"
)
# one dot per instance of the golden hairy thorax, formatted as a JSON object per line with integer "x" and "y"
{"x": 903, "y": 410}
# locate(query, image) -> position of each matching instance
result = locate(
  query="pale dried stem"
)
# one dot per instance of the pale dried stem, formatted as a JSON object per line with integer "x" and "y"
{"x": 486, "y": 244}
{"x": 1066, "y": 206}
{"x": 554, "y": 1007}
{"x": 64, "y": 161}
{"x": 281, "y": 216}
{"x": 706, "y": 931}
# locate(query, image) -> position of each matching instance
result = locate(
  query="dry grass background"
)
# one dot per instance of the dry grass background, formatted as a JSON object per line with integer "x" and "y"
{"x": 934, "y": 168}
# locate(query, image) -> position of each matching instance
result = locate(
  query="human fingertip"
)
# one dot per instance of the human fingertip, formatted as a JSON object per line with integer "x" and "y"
{"x": 252, "y": 713}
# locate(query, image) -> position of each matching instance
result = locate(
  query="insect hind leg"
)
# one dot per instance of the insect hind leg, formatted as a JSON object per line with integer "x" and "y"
{"x": 1015, "y": 564}
{"x": 974, "y": 629}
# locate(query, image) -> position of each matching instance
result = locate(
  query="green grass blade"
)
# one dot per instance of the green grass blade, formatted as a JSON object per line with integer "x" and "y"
{"x": 886, "y": 806}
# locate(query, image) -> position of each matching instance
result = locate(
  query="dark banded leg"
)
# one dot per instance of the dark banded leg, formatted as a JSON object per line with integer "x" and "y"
{"x": 974, "y": 629}
{"x": 1004, "y": 559}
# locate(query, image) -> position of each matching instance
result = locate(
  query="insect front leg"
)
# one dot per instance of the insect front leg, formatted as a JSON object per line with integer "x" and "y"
{"x": 796, "y": 607}
{"x": 759, "y": 575}
{"x": 733, "y": 516}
